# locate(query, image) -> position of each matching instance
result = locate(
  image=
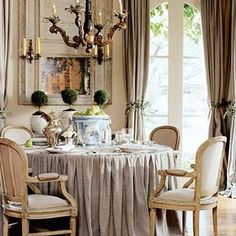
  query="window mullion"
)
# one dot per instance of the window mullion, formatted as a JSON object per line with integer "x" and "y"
{"x": 175, "y": 69}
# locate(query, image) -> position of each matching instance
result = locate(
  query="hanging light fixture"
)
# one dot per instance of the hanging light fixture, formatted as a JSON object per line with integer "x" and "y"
{"x": 86, "y": 36}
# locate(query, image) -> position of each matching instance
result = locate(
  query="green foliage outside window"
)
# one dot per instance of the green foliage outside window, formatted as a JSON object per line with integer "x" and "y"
{"x": 192, "y": 26}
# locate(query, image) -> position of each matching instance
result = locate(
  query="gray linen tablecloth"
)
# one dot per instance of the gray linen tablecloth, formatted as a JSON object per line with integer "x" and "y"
{"x": 111, "y": 189}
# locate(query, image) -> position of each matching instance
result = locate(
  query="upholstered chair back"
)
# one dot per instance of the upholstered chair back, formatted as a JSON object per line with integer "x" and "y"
{"x": 13, "y": 171}
{"x": 209, "y": 159}
{"x": 18, "y": 134}
{"x": 166, "y": 135}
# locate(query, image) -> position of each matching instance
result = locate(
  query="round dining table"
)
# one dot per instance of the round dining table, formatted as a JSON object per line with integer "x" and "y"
{"x": 111, "y": 186}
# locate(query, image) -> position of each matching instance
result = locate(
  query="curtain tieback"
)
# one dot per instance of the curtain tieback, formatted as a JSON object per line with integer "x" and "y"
{"x": 230, "y": 107}
{"x": 2, "y": 114}
{"x": 223, "y": 104}
{"x": 137, "y": 105}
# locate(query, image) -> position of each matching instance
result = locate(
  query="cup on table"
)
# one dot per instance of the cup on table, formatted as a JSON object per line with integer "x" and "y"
{"x": 127, "y": 134}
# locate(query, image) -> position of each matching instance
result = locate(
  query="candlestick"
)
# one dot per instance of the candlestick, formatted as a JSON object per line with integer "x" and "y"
{"x": 54, "y": 11}
{"x": 107, "y": 50}
{"x": 121, "y": 6}
{"x": 24, "y": 46}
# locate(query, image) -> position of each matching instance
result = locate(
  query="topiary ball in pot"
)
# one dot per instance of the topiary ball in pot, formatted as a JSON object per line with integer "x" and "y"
{"x": 38, "y": 120}
{"x": 69, "y": 96}
{"x": 39, "y": 98}
{"x": 101, "y": 97}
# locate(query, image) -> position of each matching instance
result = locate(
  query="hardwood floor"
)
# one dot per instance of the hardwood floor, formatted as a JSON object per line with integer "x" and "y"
{"x": 226, "y": 219}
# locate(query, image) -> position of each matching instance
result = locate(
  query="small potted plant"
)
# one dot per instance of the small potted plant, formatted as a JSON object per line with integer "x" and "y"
{"x": 68, "y": 96}
{"x": 101, "y": 97}
{"x": 38, "y": 119}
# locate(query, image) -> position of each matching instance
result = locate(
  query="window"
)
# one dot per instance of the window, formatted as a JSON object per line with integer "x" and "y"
{"x": 177, "y": 84}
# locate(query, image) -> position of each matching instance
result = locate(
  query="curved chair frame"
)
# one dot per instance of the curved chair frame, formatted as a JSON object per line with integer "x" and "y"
{"x": 6, "y": 128}
{"x": 15, "y": 179}
{"x": 203, "y": 198}
{"x": 167, "y": 127}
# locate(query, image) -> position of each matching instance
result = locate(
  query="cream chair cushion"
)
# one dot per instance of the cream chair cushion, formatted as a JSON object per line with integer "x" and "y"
{"x": 183, "y": 195}
{"x": 39, "y": 201}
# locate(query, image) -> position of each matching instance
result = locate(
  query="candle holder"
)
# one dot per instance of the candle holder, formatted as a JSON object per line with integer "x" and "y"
{"x": 86, "y": 37}
{"x": 100, "y": 56}
{"x": 28, "y": 53}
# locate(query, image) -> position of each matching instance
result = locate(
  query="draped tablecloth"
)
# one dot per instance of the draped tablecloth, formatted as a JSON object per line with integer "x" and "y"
{"x": 111, "y": 189}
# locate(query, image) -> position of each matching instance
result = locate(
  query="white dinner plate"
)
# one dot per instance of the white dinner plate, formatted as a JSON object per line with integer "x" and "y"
{"x": 61, "y": 149}
{"x": 129, "y": 148}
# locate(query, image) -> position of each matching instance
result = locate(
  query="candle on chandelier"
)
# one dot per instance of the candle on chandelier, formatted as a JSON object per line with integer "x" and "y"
{"x": 107, "y": 50}
{"x": 76, "y": 2}
{"x": 24, "y": 46}
{"x": 54, "y": 10}
{"x": 121, "y": 6}
{"x": 100, "y": 17}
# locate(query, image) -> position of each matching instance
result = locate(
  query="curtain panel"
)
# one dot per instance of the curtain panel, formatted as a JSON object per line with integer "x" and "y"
{"x": 217, "y": 23}
{"x": 231, "y": 167}
{"x": 136, "y": 62}
{"x": 4, "y": 54}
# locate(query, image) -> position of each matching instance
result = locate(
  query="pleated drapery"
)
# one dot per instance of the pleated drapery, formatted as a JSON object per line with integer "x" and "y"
{"x": 136, "y": 62}
{"x": 4, "y": 54}
{"x": 111, "y": 190}
{"x": 217, "y": 24}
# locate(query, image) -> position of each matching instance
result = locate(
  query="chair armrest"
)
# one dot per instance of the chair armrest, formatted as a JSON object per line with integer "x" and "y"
{"x": 60, "y": 179}
{"x": 176, "y": 172}
{"x": 47, "y": 177}
{"x": 30, "y": 170}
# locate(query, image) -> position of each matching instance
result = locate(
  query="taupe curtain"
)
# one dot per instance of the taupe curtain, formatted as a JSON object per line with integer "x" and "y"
{"x": 4, "y": 53}
{"x": 231, "y": 167}
{"x": 136, "y": 63}
{"x": 217, "y": 22}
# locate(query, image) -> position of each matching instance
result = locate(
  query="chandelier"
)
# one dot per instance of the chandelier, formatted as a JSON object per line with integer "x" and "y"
{"x": 86, "y": 36}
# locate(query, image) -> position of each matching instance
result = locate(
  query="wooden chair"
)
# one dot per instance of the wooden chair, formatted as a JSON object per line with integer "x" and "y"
{"x": 166, "y": 135}
{"x": 18, "y": 204}
{"x": 19, "y": 134}
{"x": 206, "y": 176}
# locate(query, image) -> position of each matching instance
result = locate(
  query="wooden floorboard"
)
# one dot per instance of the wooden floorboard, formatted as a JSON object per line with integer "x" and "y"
{"x": 226, "y": 219}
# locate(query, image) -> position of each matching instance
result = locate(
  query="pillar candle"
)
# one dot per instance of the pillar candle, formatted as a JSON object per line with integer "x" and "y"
{"x": 54, "y": 11}
{"x": 38, "y": 46}
{"x": 24, "y": 46}
{"x": 121, "y": 6}
{"x": 100, "y": 17}
{"x": 107, "y": 50}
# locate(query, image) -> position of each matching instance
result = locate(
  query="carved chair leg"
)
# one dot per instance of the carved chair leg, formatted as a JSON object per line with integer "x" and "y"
{"x": 5, "y": 225}
{"x": 25, "y": 226}
{"x": 214, "y": 217}
{"x": 152, "y": 222}
{"x": 196, "y": 223}
{"x": 184, "y": 222}
{"x": 73, "y": 226}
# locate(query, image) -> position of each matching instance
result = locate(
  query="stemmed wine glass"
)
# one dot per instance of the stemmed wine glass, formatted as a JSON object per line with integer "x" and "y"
{"x": 127, "y": 134}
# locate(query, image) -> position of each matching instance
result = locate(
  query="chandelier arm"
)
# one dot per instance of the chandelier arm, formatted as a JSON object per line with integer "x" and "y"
{"x": 55, "y": 29}
{"x": 99, "y": 39}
